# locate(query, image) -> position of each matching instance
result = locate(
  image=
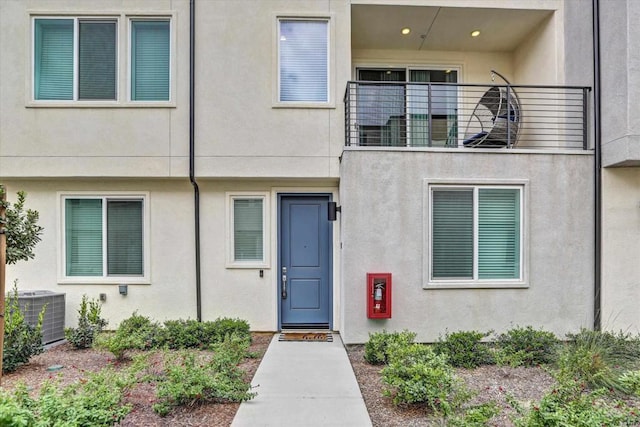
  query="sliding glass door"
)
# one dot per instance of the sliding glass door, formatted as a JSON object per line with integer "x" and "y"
{"x": 391, "y": 114}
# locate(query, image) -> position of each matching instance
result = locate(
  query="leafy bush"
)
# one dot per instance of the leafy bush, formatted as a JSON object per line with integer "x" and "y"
{"x": 630, "y": 380}
{"x": 89, "y": 324}
{"x": 599, "y": 358}
{"x": 182, "y": 334}
{"x": 477, "y": 416}
{"x": 191, "y": 378}
{"x": 21, "y": 228}
{"x": 526, "y": 346}
{"x": 95, "y": 401}
{"x": 21, "y": 340}
{"x": 464, "y": 349}
{"x": 569, "y": 404}
{"x": 416, "y": 374}
{"x": 376, "y": 349}
{"x": 134, "y": 333}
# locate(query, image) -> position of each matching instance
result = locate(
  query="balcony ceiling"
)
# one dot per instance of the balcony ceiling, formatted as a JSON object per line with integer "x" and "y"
{"x": 441, "y": 28}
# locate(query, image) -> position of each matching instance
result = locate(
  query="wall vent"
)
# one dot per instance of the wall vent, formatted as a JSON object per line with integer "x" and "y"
{"x": 31, "y": 303}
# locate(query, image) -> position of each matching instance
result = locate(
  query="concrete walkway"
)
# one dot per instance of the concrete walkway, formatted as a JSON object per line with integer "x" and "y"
{"x": 304, "y": 384}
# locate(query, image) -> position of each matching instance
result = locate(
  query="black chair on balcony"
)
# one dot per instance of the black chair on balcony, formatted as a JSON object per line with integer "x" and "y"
{"x": 495, "y": 121}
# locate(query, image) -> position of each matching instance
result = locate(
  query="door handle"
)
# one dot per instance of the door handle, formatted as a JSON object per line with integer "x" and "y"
{"x": 284, "y": 282}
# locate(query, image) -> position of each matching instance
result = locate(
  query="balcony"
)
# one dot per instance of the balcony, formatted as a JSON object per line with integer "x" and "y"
{"x": 465, "y": 116}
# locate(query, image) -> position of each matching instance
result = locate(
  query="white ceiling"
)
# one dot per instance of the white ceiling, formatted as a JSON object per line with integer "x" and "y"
{"x": 441, "y": 28}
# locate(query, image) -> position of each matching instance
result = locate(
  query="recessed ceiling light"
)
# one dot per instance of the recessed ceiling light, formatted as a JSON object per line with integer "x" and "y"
{"x": 475, "y": 33}
{"x": 405, "y": 31}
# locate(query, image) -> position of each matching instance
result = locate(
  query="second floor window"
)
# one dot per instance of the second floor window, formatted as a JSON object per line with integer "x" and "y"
{"x": 303, "y": 60}
{"x": 75, "y": 59}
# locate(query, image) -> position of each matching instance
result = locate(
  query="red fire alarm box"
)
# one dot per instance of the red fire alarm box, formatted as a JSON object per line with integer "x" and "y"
{"x": 379, "y": 295}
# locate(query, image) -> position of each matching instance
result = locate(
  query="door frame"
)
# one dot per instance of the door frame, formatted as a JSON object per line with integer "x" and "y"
{"x": 278, "y": 252}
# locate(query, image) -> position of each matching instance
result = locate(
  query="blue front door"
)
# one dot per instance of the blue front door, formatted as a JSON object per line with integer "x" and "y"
{"x": 304, "y": 262}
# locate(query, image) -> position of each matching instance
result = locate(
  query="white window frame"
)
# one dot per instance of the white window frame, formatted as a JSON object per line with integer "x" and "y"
{"x": 475, "y": 282}
{"x": 172, "y": 46}
{"x": 105, "y": 279}
{"x": 231, "y": 262}
{"x": 76, "y": 57}
{"x": 329, "y": 19}
{"x": 123, "y": 62}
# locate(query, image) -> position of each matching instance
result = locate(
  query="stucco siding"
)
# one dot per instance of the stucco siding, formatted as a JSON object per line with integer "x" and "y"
{"x": 621, "y": 249}
{"x": 383, "y": 228}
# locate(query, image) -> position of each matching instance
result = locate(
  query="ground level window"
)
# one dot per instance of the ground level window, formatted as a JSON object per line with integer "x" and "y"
{"x": 104, "y": 237}
{"x": 476, "y": 233}
{"x": 247, "y": 230}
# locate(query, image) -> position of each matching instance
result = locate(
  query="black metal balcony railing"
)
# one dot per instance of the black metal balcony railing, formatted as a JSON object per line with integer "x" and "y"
{"x": 465, "y": 115}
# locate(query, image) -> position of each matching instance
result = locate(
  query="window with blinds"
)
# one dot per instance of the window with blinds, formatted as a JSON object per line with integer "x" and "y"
{"x": 58, "y": 75}
{"x": 303, "y": 60}
{"x": 150, "y": 60}
{"x": 476, "y": 233}
{"x": 104, "y": 237}
{"x": 77, "y": 59}
{"x": 248, "y": 229}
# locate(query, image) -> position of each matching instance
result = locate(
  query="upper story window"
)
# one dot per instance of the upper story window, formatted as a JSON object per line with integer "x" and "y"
{"x": 476, "y": 234}
{"x": 82, "y": 59}
{"x": 303, "y": 60}
{"x": 150, "y": 54}
{"x": 75, "y": 59}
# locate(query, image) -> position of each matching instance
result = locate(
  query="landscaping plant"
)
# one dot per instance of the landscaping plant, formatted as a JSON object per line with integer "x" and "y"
{"x": 376, "y": 349}
{"x": 600, "y": 358}
{"x": 191, "y": 378}
{"x": 416, "y": 374}
{"x": 89, "y": 324}
{"x": 21, "y": 340}
{"x": 465, "y": 349}
{"x": 526, "y": 347}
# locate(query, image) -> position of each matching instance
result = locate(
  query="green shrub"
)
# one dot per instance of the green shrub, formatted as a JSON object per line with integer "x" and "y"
{"x": 21, "y": 340}
{"x": 90, "y": 323}
{"x": 416, "y": 374}
{"x": 183, "y": 334}
{"x": 599, "y": 358}
{"x": 134, "y": 333}
{"x": 376, "y": 349}
{"x": 191, "y": 378}
{"x": 526, "y": 346}
{"x": 14, "y": 408}
{"x": 476, "y": 416}
{"x": 94, "y": 401}
{"x": 630, "y": 381}
{"x": 464, "y": 349}
{"x": 569, "y": 404}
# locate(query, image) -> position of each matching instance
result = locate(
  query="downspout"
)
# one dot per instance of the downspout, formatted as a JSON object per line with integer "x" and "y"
{"x": 597, "y": 307}
{"x": 196, "y": 189}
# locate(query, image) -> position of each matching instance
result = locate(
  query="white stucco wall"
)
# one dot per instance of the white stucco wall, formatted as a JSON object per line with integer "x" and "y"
{"x": 171, "y": 292}
{"x": 621, "y": 249}
{"x": 383, "y": 219}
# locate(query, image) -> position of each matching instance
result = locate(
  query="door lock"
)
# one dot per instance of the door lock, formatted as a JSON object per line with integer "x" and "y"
{"x": 284, "y": 282}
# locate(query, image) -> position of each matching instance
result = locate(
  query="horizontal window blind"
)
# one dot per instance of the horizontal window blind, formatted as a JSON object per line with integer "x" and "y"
{"x": 498, "y": 234}
{"x": 303, "y": 59}
{"x": 83, "y": 237}
{"x": 125, "y": 238}
{"x": 53, "y": 59}
{"x": 97, "y": 60}
{"x": 248, "y": 229}
{"x": 150, "y": 60}
{"x": 452, "y": 234}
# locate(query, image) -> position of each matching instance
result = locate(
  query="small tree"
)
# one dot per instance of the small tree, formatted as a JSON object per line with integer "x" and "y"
{"x": 21, "y": 228}
{"x": 19, "y": 233}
